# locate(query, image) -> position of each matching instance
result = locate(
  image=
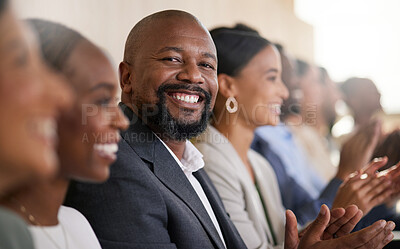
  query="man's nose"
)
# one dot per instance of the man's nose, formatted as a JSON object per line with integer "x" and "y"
{"x": 190, "y": 73}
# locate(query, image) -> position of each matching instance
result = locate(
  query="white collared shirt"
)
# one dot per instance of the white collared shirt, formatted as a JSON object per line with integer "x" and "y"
{"x": 192, "y": 161}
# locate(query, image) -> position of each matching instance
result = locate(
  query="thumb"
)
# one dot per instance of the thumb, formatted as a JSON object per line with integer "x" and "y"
{"x": 291, "y": 233}
{"x": 319, "y": 225}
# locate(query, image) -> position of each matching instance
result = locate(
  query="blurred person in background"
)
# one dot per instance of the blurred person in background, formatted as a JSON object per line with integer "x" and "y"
{"x": 87, "y": 140}
{"x": 316, "y": 106}
{"x": 332, "y": 95}
{"x": 363, "y": 98}
{"x": 355, "y": 157}
{"x": 31, "y": 99}
{"x": 317, "y": 122}
{"x": 316, "y": 138}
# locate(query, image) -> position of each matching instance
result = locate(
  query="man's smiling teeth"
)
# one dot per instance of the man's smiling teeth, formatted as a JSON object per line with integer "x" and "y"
{"x": 186, "y": 97}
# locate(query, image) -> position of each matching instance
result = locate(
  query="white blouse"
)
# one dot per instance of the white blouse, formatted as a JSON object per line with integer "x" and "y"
{"x": 72, "y": 232}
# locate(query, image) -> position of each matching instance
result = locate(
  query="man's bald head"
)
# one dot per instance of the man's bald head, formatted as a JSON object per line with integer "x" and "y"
{"x": 170, "y": 54}
{"x": 141, "y": 30}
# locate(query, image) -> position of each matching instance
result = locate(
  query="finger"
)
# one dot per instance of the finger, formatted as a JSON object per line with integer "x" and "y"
{"x": 392, "y": 172}
{"x": 291, "y": 233}
{"x": 381, "y": 197}
{"x": 349, "y": 213}
{"x": 349, "y": 226}
{"x": 360, "y": 238}
{"x": 336, "y": 214}
{"x": 318, "y": 226}
{"x": 376, "y": 164}
{"x": 369, "y": 183}
{"x": 377, "y": 187}
{"x": 382, "y": 238}
{"x": 356, "y": 181}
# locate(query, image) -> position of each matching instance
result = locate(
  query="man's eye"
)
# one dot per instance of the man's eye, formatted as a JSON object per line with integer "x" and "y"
{"x": 207, "y": 65}
{"x": 173, "y": 59}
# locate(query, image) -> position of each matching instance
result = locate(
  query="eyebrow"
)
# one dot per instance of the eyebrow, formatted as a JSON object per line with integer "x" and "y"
{"x": 209, "y": 55}
{"x": 271, "y": 70}
{"x": 165, "y": 49}
{"x": 177, "y": 49}
{"x": 108, "y": 86}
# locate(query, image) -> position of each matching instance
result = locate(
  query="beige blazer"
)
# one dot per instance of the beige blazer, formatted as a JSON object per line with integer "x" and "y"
{"x": 238, "y": 192}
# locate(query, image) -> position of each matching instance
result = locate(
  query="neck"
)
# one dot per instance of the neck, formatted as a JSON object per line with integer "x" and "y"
{"x": 7, "y": 182}
{"x": 178, "y": 147}
{"x": 40, "y": 200}
{"x": 238, "y": 132}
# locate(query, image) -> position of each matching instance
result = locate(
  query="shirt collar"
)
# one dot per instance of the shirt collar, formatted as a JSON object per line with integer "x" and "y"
{"x": 192, "y": 159}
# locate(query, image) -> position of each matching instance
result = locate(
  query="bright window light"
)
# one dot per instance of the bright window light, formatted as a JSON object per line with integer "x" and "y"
{"x": 358, "y": 38}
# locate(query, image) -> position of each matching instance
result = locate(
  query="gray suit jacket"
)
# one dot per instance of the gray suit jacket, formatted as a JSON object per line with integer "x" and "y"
{"x": 148, "y": 201}
{"x": 239, "y": 194}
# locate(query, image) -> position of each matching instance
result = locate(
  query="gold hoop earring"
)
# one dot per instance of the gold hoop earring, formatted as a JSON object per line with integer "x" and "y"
{"x": 229, "y": 108}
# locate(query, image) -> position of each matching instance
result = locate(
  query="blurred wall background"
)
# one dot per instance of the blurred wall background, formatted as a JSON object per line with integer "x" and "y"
{"x": 349, "y": 38}
{"x": 108, "y": 22}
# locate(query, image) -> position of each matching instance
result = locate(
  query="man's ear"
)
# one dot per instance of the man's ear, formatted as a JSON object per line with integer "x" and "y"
{"x": 124, "y": 78}
{"x": 227, "y": 85}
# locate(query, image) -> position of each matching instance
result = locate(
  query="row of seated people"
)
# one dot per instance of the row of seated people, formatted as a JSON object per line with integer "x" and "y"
{"x": 154, "y": 192}
{"x": 298, "y": 148}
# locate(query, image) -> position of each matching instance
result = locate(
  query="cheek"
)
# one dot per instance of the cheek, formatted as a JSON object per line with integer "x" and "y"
{"x": 213, "y": 91}
{"x": 150, "y": 82}
{"x": 250, "y": 97}
{"x": 262, "y": 111}
{"x": 96, "y": 127}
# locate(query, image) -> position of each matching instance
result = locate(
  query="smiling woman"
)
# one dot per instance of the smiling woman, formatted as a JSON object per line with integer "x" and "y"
{"x": 87, "y": 139}
{"x": 30, "y": 99}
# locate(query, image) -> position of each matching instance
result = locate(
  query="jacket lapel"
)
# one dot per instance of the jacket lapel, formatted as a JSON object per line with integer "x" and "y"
{"x": 172, "y": 176}
{"x": 144, "y": 142}
{"x": 231, "y": 235}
